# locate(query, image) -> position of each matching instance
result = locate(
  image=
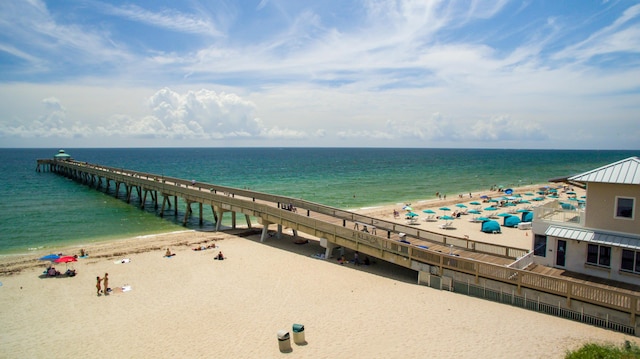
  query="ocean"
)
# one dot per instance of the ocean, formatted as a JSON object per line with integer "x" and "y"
{"x": 41, "y": 210}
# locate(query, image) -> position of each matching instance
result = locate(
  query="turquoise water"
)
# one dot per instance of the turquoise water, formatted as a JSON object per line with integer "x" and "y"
{"x": 44, "y": 210}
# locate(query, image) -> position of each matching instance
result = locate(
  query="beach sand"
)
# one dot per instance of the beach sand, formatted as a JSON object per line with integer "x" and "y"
{"x": 192, "y": 306}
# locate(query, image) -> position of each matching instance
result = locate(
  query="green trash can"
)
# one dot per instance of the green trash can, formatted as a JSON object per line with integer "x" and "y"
{"x": 298, "y": 334}
{"x": 284, "y": 342}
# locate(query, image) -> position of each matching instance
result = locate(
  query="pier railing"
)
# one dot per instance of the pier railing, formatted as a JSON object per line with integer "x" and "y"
{"x": 263, "y": 205}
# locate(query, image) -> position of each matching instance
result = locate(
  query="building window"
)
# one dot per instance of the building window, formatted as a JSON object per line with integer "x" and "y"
{"x": 540, "y": 246}
{"x": 630, "y": 261}
{"x": 599, "y": 255}
{"x": 624, "y": 207}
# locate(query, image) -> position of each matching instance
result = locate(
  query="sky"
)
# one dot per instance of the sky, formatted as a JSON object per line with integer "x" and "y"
{"x": 532, "y": 74}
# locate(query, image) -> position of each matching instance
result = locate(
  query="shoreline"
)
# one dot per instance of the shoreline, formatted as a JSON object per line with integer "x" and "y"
{"x": 378, "y": 211}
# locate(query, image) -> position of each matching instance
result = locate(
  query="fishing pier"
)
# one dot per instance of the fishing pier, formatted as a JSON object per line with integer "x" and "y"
{"x": 445, "y": 262}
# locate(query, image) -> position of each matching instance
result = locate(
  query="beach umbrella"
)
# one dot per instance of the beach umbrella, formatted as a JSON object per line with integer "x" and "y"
{"x": 66, "y": 260}
{"x": 407, "y": 208}
{"x": 528, "y": 194}
{"x": 474, "y": 211}
{"x": 524, "y": 201}
{"x": 493, "y": 200}
{"x": 504, "y": 215}
{"x": 508, "y": 191}
{"x": 411, "y": 214}
{"x": 476, "y": 203}
{"x": 49, "y": 257}
{"x": 571, "y": 192}
{"x": 447, "y": 218}
{"x": 522, "y": 210}
{"x": 445, "y": 209}
{"x": 428, "y": 211}
{"x": 491, "y": 209}
{"x": 483, "y": 219}
{"x": 484, "y": 196}
{"x": 460, "y": 205}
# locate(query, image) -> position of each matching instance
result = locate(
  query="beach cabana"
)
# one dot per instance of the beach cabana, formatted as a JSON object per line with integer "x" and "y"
{"x": 527, "y": 216}
{"x": 490, "y": 227}
{"x": 511, "y": 221}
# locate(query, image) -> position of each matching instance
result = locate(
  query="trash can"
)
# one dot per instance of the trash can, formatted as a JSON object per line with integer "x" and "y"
{"x": 298, "y": 334}
{"x": 284, "y": 342}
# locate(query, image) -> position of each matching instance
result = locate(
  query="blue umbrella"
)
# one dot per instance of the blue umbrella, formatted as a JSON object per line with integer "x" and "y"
{"x": 508, "y": 191}
{"x": 49, "y": 257}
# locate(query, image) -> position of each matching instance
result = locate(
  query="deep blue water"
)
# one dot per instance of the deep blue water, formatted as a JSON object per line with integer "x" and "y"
{"x": 43, "y": 210}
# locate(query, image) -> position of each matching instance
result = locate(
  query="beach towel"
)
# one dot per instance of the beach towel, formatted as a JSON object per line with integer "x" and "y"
{"x": 126, "y": 288}
{"x": 124, "y": 260}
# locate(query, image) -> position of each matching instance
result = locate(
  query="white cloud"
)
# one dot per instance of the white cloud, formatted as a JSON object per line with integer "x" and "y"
{"x": 168, "y": 18}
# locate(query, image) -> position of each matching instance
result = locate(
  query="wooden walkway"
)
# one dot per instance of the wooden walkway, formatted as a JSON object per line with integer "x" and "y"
{"x": 416, "y": 249}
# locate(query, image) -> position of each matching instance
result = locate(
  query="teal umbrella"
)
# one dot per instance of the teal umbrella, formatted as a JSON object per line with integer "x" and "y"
{"x": 476, "y": 203}
{"x": 460, "y": 205}
{"x": 474, "y": 211}
{"x": 428, "y": 211}
{"x": 491, "y": 209}
{"x": 504, "y": 215}
{"x": 411, "y": 214}
{"x": 445, "y": 208}
{"x": 484, "y": 219}
{"x": 447, "y": 218}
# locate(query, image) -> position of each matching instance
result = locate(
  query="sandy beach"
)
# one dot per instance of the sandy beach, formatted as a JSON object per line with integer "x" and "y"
{"x": 193, "y": 306}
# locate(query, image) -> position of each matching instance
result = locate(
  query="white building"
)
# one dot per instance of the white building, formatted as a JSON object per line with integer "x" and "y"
{"x": 600, "y": 238}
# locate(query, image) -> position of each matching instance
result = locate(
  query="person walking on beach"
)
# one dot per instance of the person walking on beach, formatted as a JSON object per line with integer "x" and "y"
{"x": 105, "y": 282}
{"x": 356, "y": 259}
{"x": 98, "y": 287}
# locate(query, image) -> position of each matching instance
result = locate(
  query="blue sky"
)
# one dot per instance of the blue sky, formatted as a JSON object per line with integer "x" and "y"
{"x": 332, "y": 73}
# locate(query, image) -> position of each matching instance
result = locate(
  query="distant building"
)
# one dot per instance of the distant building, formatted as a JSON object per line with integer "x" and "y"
{"x": 600, "y": 237}
{"x": 62, "y": 156}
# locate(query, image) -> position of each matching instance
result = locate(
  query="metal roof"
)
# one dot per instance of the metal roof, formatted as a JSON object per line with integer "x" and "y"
{"x": 580, "y": 234}
{"x": 626, "y": 171}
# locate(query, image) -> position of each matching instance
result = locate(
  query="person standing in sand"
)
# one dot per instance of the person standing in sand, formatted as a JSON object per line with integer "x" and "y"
{"x": 105, "y": 283}
{"x": 98, "y": 288}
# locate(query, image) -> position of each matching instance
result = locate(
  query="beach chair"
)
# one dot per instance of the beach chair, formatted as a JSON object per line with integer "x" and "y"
{"x": 446, "y": 225}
